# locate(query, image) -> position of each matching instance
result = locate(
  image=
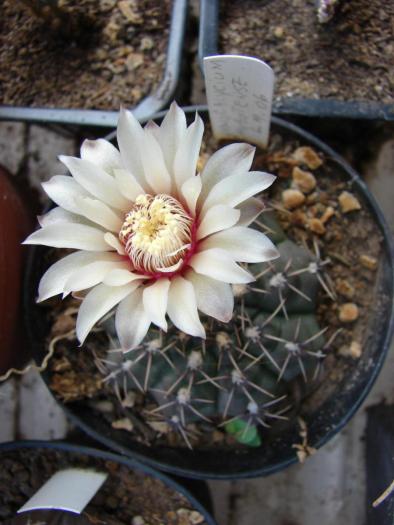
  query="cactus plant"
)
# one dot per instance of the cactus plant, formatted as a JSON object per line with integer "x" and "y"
{"x": 239, "y": 378}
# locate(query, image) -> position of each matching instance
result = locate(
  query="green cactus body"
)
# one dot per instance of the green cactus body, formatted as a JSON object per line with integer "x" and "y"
{"x": 239, "y": 379}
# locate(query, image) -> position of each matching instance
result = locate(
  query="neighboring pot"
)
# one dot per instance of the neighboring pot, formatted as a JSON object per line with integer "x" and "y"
{"x": 146, "y": 107}
{"x": 334, "y": 411}
{"x": 84, "y": 457}
{"x": 290, "y": 104}
{"x": 15, "y": 223}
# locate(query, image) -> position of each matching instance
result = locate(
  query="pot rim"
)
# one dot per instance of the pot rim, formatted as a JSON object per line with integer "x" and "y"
{"x": 131, "y": 463}
{"x": 249, "y": 469}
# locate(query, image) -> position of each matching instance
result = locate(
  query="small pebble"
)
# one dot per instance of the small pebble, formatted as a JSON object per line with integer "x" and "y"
{"x": 316, "y": 226}
{"x": 292, "y": 198}
{"x": 304, "y": 180}
{"x": 134, "y": 61}
{"x": 138, "y": 520}
{"x": 369, "y": 262}
{"x": 345, "y": 288}
{"x": 279, "y": 32}
{"x": 348, "y": 312}
{"x": 132, "y": 16}
{"x": 306, "y": 155}
{"x": 354, "y": 350}
{"x": 146, "y": 43}
{"x": 348, "y": 202}
{"x": 191, "y": 517}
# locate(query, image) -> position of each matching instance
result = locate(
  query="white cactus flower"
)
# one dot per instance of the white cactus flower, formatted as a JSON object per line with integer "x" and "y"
{"x": 153, "y": 236}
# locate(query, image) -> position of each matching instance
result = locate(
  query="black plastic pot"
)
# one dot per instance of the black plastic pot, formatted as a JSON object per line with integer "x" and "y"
{"x": 208, "y": 45}
{"x": 144, "y": 109}
{"x": 328, "y": 420}
{"x": 190, "y": 493}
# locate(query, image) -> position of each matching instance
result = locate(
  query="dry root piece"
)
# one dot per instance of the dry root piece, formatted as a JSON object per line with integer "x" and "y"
{"x": 348, "y": 202}
{"x": 328, "y": 213}
{"x": 292, "y": 198}
{"x": 348, "y": 312}
{"x": 308, "y": 157}
{"x": 123, "y": 424}
{"x": 369, "y": 262}
{"x": 304, "y": 180}
{"x": 303, "y": 449}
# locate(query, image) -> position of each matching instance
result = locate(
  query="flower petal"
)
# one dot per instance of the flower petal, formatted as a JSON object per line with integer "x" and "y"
{"x": 172, "y": 131}
{"x": 113, "y": 241}
{"x": 250, "y": 210}
{"x": 155, "y": 298}
{"x": 214, "y": 298}
{"x": 156, "y": 173}
{"x": 128, "y": 184}
{"x": 63, "y": 189}
{"x": 90, "y": 275}
{"x": 65, "y": 235}
{"x": 54, "y": 279}
{"x": 121, "y": 276}
{"x": 130, "y": 137}
{"x": 96, "y": 181}
{"x": 102, "y": 153}
{"x": 100, "y": 213}
{"x": 61, "y": 215}
{"x": 219, "y": 265}
{"x": 186, "y": 157}
{"x": 234, "y": 159}
{"x": 131, "y": 321}
{"x": 237, "y": 188}
{"x": 99, "y": 301}
{"x": 190, "y": 191}
{"x": 243, "y": 244}
{"x": 182, "y": 307}
{"x": 217, "y": 218}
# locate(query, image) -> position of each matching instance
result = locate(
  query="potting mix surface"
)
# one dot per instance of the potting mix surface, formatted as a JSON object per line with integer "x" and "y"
{"x": 311, "y": 204}
{"x": 126, "y": 496}
{"x": 86, "y": 55}
{"x": 348, "y": 58}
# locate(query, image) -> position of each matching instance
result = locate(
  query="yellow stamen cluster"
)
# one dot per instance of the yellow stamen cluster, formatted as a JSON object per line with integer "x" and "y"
{"x": 156, "y": 233}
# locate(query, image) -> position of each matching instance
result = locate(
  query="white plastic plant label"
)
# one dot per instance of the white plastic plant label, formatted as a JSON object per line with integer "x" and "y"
{"x": 239, "y": 92}
{"x": 69, "y": 490}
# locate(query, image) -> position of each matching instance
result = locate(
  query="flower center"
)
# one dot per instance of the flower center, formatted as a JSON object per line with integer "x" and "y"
{"x": 156, "y": 234}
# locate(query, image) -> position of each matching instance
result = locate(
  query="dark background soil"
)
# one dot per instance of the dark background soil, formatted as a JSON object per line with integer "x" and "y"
{"x": 349, "y": 58}
{"x": 111, "y": 56}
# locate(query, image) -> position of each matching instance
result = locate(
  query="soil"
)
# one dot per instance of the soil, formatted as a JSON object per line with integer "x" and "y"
{"x": 93, "y": 55}
{"x": 349, "y": 58}
{"x": 124, "y": 496}
{"x": 350, "y": 241}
